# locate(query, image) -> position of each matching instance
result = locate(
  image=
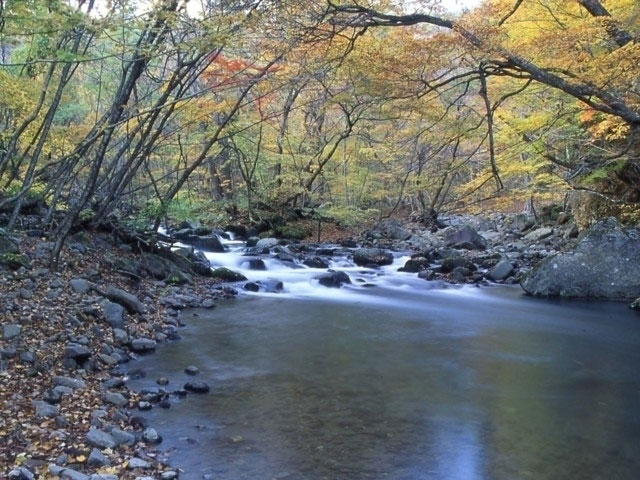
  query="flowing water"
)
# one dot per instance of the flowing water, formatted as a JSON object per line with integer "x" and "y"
{"x": 398, "y": 378}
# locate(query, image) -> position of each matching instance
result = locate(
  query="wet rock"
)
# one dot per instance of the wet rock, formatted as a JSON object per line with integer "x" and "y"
{"x": 162, "y": 381}
{"x": 97, "y": 459}
{"x": 228, "y": 275}
{"x": 143, "y": 345}
{"x": 10, "y": 331}
{"x": 196, "y": 387}
{"x": 144, "y": 406}
{"x": 79, "y": 285}
{"x": 251, "y": 287}
{"x": 256, "y": 264}
{"x": 372, "y": 257}
{"x": 502, "y": 270}
{"x": 464, "y": 237}
{"x": 126, "y": 299}
{"x": 426, "y": 274}
{"x": 460, "y": 274}
{"x": 604, "y": 264}
{"x": 100, "y": 439}
{"x": 192, "y": 370}
{"x": 169, "y": 475}
{"x": 316, "y": 262}
{"x": 415, "y": 265}
{"x": 334, "y": 279}
{"x": 210, "y": 244}
{"x": 150, "y": 435}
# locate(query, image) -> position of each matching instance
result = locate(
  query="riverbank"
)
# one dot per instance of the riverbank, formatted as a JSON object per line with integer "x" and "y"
{"x": 66, "y": 410}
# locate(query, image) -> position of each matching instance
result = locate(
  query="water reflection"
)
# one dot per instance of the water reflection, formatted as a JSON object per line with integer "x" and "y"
{"x": 463, "y": 385}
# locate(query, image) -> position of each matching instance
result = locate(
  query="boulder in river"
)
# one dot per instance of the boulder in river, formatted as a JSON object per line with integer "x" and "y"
{"x": 196, "y": 387}
{"x": 334, "y": 279}
{"x": 210, "y": 243}
{"x": 267, "y": 243}
{"x": 316, "y": 262}
{"x": 464, "y": 237}
{"x": 372, "y": 257}
{"x": 604, "y": 264}
{"x": 256, "y": 264}
{"x": 227, "y": 275}
{"x": 415, "y": 265}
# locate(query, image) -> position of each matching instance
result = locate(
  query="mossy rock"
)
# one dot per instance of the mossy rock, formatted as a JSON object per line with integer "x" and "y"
{"x": 178, "y": 278}
{"x": 266, "y": 234}
{"x": 14, "y": 261}
{"x": 291, "y": 233}
{"x": 227, "y": 275}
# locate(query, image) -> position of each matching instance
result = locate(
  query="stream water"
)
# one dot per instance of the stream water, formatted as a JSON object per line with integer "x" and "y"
{"x": 398, "y": 378}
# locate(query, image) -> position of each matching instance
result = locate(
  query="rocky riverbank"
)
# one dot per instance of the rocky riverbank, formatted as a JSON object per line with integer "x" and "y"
{"x": 65, "y": 342}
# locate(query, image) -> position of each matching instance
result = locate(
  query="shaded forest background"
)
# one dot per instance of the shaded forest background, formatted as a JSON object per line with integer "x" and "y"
{"x": 153, "y": 111}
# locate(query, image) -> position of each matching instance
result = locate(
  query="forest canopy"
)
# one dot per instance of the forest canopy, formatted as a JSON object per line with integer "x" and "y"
{"x": 161, "y": 110}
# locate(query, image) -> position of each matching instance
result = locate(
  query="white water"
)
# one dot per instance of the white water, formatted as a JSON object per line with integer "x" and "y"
{"x": 301, "y": 281}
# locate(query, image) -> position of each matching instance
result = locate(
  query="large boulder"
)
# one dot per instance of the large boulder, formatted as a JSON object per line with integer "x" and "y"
{"x": 211, "y": 244}
{"x": 464, "y": 237}
{"x": 604, "y": 264}
{"x": 372, "y": 257}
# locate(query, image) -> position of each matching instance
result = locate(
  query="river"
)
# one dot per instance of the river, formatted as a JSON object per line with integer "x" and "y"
{"x": 398, "y": 378}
